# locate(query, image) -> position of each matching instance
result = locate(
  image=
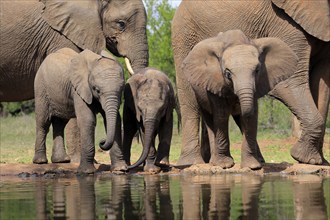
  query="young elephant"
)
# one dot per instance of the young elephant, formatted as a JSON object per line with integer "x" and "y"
{"x": 69, "y": 85}
{"x": 148, "y": 107}
{"x": 228, "y": 73}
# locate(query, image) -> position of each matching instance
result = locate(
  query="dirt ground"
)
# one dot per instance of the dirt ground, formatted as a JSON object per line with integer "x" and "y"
{"x": 69, "y": 169}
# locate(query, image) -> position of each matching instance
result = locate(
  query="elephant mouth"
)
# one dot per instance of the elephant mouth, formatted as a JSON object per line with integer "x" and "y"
{"x": 112, "y": 46}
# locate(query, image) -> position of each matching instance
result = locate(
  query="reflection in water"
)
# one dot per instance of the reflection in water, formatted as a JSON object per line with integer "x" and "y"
{"x": 166, "y": 197}
{"x": 309, "y": 198}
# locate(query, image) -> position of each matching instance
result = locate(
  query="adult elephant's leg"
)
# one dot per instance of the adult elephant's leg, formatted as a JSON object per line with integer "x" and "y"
{"x": 59, "y": 154}
{"x": 73, "y": 144}
{"x": 190, "y": 118}
{"x": 295, "y": 94}
{"x": 320, "y": 89}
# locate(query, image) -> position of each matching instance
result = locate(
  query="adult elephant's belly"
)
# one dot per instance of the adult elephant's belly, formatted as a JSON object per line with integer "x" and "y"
{"x": 16, "y": 87}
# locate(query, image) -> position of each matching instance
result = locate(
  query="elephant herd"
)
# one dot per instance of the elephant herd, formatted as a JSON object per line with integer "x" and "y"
{"x": 227, "y": 55}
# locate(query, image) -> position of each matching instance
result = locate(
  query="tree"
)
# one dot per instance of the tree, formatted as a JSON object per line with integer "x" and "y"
{"x": 160, "y": 15}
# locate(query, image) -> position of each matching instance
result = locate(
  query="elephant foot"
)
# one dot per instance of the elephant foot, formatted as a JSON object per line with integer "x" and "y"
{"x": 224, "y": 161}
{"x": 261, "y": 159}
{"x": 151, "y": 168}
{"x": 190, "y": 159}
{"x": 63, "y": 158}
{"x": 86, "y": 168}
{"x": 40, "y": 158}
{"x": 163, "y": 163}
{"x": 307, "y": 155}
{"x": 250, "y": 161}
{"x": 119, "y": 167}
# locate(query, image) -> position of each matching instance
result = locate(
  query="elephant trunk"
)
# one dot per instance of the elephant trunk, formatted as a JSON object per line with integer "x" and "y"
{"x": 246, "y": 99}
{"x": 149, "y": 130}
{"x": 110, "y": 107}
{"x": 139, "y": 55}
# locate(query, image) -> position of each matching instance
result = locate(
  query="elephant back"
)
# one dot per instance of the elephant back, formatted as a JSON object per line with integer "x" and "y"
{"x": 313, "y": 16}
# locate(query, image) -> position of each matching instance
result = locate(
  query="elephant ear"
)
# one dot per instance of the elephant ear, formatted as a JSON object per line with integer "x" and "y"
{"x": 80, "y": 70}
{"x": 171, "y": 100}
{"x": 78, "y": 20}
{"x": 202, "y": 66}
{"x": 313, "y": 16}
{"x": 278, "y": 62}
{"x": 132, "y": 85}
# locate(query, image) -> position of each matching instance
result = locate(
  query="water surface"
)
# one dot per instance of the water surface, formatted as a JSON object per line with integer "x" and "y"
{"x": 240, "y": 196}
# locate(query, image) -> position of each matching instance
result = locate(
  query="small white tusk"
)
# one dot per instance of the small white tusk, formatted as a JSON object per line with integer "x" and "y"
{"x": 129, "y": 67}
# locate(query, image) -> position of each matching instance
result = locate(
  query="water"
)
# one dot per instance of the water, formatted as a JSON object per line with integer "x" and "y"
{"x": 166, "y": 197}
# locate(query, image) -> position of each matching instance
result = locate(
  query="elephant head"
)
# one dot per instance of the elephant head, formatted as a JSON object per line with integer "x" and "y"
{"x": 152, "y": 95}
{"x": 101, "y": 78}
{"x": 231, "y": 63}
{"x": 118, "y": 25}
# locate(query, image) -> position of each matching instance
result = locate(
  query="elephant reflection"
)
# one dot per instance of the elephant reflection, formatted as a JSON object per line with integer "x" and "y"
{"x": 309, "y": 201}
{"x": 213, "y": 194}
{"x": 153, "y": 203}
{"x": 69, "y": 199}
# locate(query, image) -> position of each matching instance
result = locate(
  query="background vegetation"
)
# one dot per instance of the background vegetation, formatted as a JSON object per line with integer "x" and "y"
{"x": 17, "y": 118}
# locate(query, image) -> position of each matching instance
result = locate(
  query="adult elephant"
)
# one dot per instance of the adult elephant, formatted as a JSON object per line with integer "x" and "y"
{"x": 303, "y": 25}
{"x": 30, "y": 30}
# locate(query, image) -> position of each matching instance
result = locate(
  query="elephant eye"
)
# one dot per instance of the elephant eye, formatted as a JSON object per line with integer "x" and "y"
{"x": 121, "y": 25}
{"x": 97, "y": 90}
{"x": 228, "y": 74}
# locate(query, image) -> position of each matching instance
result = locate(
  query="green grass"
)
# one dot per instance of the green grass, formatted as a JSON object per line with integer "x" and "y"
{"x": 17, "y": 136}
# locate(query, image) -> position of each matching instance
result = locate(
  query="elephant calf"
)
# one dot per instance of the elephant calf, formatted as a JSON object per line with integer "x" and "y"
{"x": 148, "y": 107}
{"x": 70, "y": 84}
{"x": 228, "y": 73}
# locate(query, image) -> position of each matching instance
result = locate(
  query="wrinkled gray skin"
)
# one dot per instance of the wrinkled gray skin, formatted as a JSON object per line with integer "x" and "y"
{"x": 148, "y": 108}
{"x": 228, "y": 73}
{"x": 303, "y": 25}
{"x": 30, "y": 30}
{"x": 68, "y": 85}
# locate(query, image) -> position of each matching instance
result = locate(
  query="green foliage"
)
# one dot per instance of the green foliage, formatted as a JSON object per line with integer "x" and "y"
{"x": 274, "y": 115}
{"x": 160, "y": 15}
{"x": 16, "y": 108}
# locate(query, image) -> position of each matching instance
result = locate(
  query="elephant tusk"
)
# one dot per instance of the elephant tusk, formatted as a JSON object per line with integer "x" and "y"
{"x": 129, "y": 67}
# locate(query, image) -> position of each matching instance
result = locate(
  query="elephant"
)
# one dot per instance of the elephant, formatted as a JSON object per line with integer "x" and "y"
{"x": 148, "y": 108}
{"x": 79, "y": 85}
{"x": 306, "y": 93}
{"x": 30, "y": 30}
{"x": 228, "y": 73}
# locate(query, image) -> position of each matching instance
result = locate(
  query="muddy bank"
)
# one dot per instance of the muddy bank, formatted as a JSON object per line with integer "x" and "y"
{"x": 69, "y": 169}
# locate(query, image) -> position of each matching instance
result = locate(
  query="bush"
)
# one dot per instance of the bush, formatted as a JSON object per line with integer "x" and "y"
{"x": 16, "y": 108}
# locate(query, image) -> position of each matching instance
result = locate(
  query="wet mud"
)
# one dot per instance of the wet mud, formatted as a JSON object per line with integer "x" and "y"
{"x": 70, "y": 169}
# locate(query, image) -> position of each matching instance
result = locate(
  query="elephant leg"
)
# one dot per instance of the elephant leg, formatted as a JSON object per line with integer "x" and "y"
{"x": 42, "y": 127}
{"x": 238, "y": 121}
{"x": 297, "y": 96}
{"x": 86, "y": 120}
{"x": 130, "y": 129}
{"x": 73, "y": 143}
{"x": 206, "y": 142}
{"x": 250, "y": 152}
{"x": 150, "y": 161}
{"x": 118, "y": 163}
{"x": 221, "y": 156}
{"x": 320, "y": 89}
{"x": 218, "y": 124}
{"x": 59, "y": 154}
{"x": 165, "y": 137}
{"x": 190, "y": 151}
